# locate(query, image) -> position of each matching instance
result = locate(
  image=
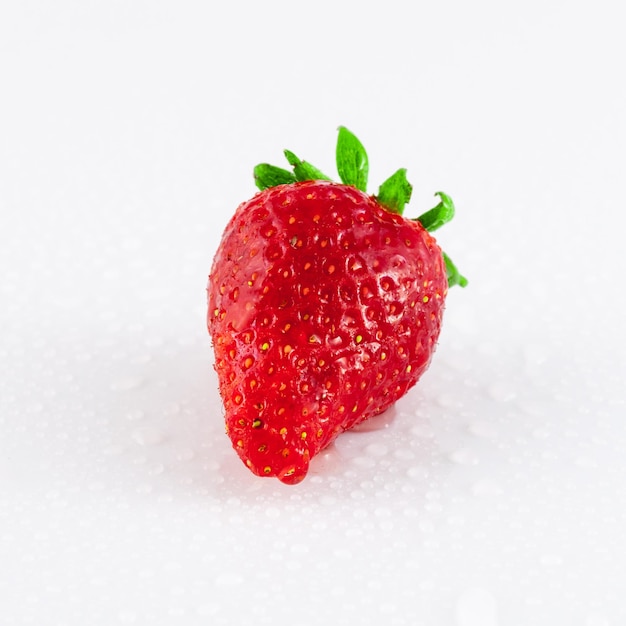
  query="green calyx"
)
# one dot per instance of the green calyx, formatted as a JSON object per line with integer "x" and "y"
{"x": 353, "y": 169}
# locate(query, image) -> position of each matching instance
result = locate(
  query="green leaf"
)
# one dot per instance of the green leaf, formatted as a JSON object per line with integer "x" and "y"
{"x": 395, "y": 192}
{"x": 454, "y": 276}
{"x": 302, "y": 169}
{"x": 266, "y": 175}
{"x": 352, "y": 163}
{"x": 439, "y": 215}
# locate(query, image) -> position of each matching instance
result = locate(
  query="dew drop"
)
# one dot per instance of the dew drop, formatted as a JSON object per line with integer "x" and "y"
{"x": 376, "y": 449}
{"x": 502, "y": 391}
{"x": 148, "y": 436}
{"x": 476, "y": 607}
{"x": 486, "y": 488}
{"x": 463, "y": 456}
{"x": 127, "y": 383}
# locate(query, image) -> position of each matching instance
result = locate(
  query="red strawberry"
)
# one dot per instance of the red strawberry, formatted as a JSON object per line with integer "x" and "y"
{"x": 325, "y": 306}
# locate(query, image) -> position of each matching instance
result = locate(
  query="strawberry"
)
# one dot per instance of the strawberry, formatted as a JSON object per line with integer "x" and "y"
{"x": 324, "y": 307}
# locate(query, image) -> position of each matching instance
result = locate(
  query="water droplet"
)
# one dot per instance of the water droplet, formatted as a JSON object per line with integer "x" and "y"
{"x": 186, "y": 454}
{"x": 113, "y": 450}
{"x": 540, "y": 433}
{"x": 135, "y": 414}
{"x": 343, "y": 554}
{"x": 272, "y": 512}
{"x": 229, "y": 579}
{"x": 502, "y": 391}
{"x": 535, "y": 354}
{"x": 585, "y": 462}
{"x": 148, "y": 436}
{"x": 464, "y": 456}
{"x": 482, "y": 428}
{"x": 403, "y": 454}
{"x": 364, "y": 461}
{"x": 376, "y": 449}
{"x": 127, "y": 617}
{"x": 551, "y": 560}
{"x": 486, "y": 488}
{"x": 426, "y": 526}
{"x": 476, "y": 607}
{"x": 127, "y": 383}
{"x": 424, "y": 431}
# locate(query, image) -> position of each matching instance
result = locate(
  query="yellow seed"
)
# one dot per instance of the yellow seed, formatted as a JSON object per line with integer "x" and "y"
{"x": 359, "y": 339}
{"x": 249, "y": 463}
{"x": 320, "y": 432}
{"x": 425, "y": 299}
{"x": 248, "y": 362}
{"x": 262, "y": 448}
{"x": 267, "y": 469}
{"x": 292, "y": 220}
{"x": 408, "y": 369}
{"x": 240, "y": 443}
{"x": 265, "y": 346}
{"x": 331, "y": 269}
{"x": 307, "y": 266}
{"x": 257, "y": 423}
{"x": 303, "y": 435}
{"x": 283, "y": 430}
{"x": 287, "y": 349}
{"x": 383, "y": 356}
{"x": 281, "y": 412}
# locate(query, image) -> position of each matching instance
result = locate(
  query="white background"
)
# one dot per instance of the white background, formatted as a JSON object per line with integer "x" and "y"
{"x": 494, "y": 493}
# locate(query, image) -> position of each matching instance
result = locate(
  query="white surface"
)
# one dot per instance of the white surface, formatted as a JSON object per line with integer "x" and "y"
{"x": 493, "y": 494}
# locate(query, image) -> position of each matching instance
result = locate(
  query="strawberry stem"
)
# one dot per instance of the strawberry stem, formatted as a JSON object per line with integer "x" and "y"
{"x": 266, "y": 175}
{"x": 302, "y": 169}
{"x": 352, "y": 161}
{"x": 439, "y": 215}
{"x": 395, "y": 192}
{"x": 454, "y": 276}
